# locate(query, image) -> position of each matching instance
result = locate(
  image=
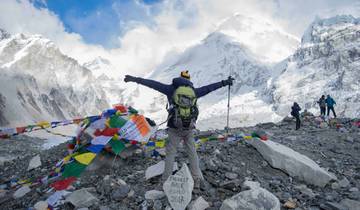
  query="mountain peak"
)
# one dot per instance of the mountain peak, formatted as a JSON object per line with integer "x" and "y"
{"x": 264, "y": 38}
{"x": 321, "y": 28}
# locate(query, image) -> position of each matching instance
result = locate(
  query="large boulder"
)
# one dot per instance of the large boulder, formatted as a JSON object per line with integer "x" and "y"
{"x": 178, "y": 188}
{"x": 292, "y": 162}
{"x": 256, "y": 198}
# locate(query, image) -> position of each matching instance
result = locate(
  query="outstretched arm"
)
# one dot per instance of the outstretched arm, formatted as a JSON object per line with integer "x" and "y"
{"x": 202, "y": 91}
{"x": 158, "y": 86}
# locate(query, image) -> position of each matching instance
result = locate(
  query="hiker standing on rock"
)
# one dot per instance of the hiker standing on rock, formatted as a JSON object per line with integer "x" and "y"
{"x": 183, "y": 113}
{"x": 330, "y": 102}
{"x": 322, "y": 104}
{"x": 295, "y": 112}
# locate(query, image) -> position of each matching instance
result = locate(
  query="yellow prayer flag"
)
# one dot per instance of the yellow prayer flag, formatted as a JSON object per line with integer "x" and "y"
{"x": 203, "y": 140}
{"x": 247, "y": 137}
{"x": 85, "y": 158}
{"x": 44, "y": 124}
{"x": 160, "y": 144}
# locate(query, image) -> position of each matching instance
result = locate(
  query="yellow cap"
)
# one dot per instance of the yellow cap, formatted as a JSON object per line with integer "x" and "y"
{"x": 185, "y": 74}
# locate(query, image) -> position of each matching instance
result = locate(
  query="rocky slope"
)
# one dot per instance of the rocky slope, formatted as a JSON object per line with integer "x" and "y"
{"x": 225, "y": 166}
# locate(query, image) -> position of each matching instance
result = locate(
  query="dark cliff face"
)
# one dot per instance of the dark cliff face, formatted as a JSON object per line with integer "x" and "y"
{"x": 3, "y": 120}
{"x": 4, "y": 34}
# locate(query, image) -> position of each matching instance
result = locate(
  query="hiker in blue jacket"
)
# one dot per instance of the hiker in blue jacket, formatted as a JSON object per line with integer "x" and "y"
{"x": 181, "y": 91}
{"x": 330, "y": 102}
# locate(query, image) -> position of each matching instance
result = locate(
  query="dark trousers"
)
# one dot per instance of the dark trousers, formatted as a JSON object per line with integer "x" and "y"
{"x": 298, "y": 122}
{"x": 332, "y": 109}
{"x": 322, "y": 111}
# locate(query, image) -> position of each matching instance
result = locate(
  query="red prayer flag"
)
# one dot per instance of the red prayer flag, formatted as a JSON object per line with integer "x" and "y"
{"x": 63, "y": 184}
{"x": 20, "y": 129}
{"x": 110, "y": 131}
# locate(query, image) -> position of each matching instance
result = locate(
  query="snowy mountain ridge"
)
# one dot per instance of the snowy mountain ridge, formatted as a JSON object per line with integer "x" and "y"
{"x": 47, "y": 84}
{"x": 38, "y": 82}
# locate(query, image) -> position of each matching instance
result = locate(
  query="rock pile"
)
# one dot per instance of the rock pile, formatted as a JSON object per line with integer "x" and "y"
{"x": 237, "y": 173}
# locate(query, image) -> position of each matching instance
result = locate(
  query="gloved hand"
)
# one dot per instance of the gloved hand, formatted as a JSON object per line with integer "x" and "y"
{"x": 129, "y": 78}
{"x": 227, "y": 82}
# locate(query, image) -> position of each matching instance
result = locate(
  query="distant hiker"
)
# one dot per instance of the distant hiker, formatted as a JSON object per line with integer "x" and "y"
{"x": 183, "y": 113}
{"x": 295, "y": 112}
{"x": 330, "y": 102}
{"x": 322, "y": 105}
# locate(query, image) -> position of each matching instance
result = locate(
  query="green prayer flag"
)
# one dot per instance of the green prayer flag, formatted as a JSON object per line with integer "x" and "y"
{"x": 213, "y": 138}
{"x": 132, "y": 110}
{"x": 117, "y": 121}
{"x": 117, "y": 146}
{"x": 255, "y": 135}
{"x": 73, "y": 169}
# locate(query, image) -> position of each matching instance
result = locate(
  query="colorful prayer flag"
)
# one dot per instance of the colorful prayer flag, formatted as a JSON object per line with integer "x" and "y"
{"x": 85, "y": 158}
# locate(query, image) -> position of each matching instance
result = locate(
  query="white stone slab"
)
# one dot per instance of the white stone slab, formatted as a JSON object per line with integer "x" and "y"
{"x": 34, "y": 162}
{"x": 178, "y": 188}
{"x": 199, "y": 204}
{"x": 157, "y": 169}
{"x": 292, "y": 162}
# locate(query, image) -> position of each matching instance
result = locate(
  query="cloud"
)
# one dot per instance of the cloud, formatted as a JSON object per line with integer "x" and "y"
{"x": 162, "y": 29}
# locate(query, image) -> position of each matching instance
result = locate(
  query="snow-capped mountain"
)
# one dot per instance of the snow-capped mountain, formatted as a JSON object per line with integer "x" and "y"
{"x": 243, "y": 47}
{"x": 265, "y": 39}
{"x": 38, "y": 82}
{"x": 327, "y": 62}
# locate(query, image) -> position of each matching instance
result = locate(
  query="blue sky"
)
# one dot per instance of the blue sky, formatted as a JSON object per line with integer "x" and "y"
{"x": 101, "y": 21}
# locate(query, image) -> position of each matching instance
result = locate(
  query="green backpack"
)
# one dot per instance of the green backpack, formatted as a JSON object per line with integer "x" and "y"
{"x": 185, "y": 111}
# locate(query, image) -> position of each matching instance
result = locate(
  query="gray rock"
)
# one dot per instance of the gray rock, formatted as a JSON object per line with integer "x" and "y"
{"x": 81, "y": 198}
{"x": 178, "y": 188}
{"x": 158, "y": 204}
{"x": 121, "y": 192}
{"x": 230, "y": 175}
{"x": 335, "y": 186}
{"x": 154, "y": 195}
{"x": 354, "y": 189}
{"x": 157, "y": 169}
{"x": 199, "y": 204}
{"x": 41, "y": 205}
{"x": 306, "y": 191}
{"x": 332, "y": 206}
{"x": 21, "y": 192}
{"x": 351, "y": 204}
{"x": 104, "y": 208}
{"x": 292, "y": 162}
{"x": 344, "y": 182}
{"x": 256, "y": 198}
{"x": 355, "y": 195}
{"x": 34, "y": 162}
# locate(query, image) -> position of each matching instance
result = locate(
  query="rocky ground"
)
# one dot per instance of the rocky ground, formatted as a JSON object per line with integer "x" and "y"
{"x": 226, "y": 165}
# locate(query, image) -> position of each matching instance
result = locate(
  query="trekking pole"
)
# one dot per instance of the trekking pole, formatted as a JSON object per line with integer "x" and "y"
{"x": 228, "y": 108}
